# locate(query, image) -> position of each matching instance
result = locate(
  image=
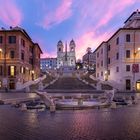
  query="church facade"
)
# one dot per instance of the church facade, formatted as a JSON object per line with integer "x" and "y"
{"x": 66, "y": 55}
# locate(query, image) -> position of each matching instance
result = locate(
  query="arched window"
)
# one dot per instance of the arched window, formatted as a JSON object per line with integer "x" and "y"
{"x": 72, "y": 49}
{"x": 59, "y": 49}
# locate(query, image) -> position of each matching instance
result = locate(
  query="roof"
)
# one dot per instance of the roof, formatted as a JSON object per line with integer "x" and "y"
{"x": 17, "y": 29}
{"x": 48, "y": 58}
{"x": 21, "y": 30}
{"x": 131, "y": 15}
{"x": 38, "y": 47}
{"x": 120, "y": 29}
{"x": 99, "y": 46}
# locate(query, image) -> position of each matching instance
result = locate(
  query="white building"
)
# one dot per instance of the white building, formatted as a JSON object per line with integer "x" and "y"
{"x": 118, "y": 59}
{"x": 48, "y": 63}
{"x": 89, "y": 60}
{"x": 66, "y": 58}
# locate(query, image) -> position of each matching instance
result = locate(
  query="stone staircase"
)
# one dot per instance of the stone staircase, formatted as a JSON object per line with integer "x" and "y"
{"x": 47, "y": 80}
{"x": 69, "y": 83}
{"x": 87, "y": 78}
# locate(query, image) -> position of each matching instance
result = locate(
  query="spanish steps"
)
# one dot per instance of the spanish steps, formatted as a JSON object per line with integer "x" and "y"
{"x": 69, "y": 84}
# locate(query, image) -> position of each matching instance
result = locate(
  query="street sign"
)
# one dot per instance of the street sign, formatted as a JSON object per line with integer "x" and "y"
{"x": 135, "y": 68}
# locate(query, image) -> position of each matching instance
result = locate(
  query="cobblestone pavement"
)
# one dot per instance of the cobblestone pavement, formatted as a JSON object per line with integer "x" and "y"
{"x": 103, "y": 124}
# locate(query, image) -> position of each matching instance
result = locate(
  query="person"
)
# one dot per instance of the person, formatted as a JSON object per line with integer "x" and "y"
{"x": 133, "y": 99}
{"x": 6, "y": 89}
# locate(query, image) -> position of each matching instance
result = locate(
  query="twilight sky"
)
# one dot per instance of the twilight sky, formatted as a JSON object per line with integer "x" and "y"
{"x": 88, "y": 22}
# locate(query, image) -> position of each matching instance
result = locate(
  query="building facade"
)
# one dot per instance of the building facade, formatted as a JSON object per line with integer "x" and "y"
{"x": 19, "y": 57}
{"x": 65, "y": 57}
{"x": 89, "y": 61}
{"x": 48, "y": 63}
{"x": 118, "y": 59}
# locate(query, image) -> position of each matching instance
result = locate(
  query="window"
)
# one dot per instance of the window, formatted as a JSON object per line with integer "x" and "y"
{"x": 22, "y": 55}
{"x": 1, "y": 70}
{"x": 12, "y": 39}
{"x": 127, "y": 37}
{"x": 101, "y": 73}
{"x": 108, "y": 60}
{"x": 59, "y": 49}
{"x": 31, "y": 60}
{"x": 117, "y": 56}
{"x": 117, "y": 69}
{"x": 102, "y": 51}
{"x": 97, "y": 65}
{"x": 101, "y": 63}
{"x": 108, "y": 72}
{"x": 12, "y": 54}
{"x": 108, "y": 47}
{"x": 1, "y": 39}
{"x": 127, "y": 53}
{"x": 117, "y": 41}
{"x": 0, "y": 54}
{"x": 98, "y": 54}
{"x": 12, "y": 70}
{"x": 22, "y": 70}
{"x": 97, "y": 74}
{"x": 128, "y": 84}
{"x": 23, "y": 42}
{"x": 31, "y": 49}
{"x": 72, "y": 49}
{"x": 127, "y": 67}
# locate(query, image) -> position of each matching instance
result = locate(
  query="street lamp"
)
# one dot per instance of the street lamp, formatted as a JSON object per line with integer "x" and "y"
{"x": 32, "y": 74}
{"x": 106, "y": 75}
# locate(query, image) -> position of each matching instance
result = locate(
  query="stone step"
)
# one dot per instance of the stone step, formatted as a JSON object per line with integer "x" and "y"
{"x": 69, "y": 83}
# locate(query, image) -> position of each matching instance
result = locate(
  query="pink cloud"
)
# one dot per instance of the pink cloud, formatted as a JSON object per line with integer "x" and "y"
{"x": 94, "y": 19}
{"x": 62, "y": 13}
{"x": 115, "y": 7}
{"x": 10, "y": 13}
{"x": 89, "y": 39}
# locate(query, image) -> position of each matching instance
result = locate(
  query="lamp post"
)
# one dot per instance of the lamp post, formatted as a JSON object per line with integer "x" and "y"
{"x": 32, "y": 75}
{"x": 106, "y": 75}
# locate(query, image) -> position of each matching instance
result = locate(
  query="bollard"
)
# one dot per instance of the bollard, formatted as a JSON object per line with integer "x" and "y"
{"x": 129, "y": 102}
{"x": 23, "y": 107}
{"x": 52, "y": 108}
{"x": 91, "y": 96}
{"x": 113, "y": 105}
{"x": 63, "y": 97}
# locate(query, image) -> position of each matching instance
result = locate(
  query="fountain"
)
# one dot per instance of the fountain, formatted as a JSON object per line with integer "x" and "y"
{"x": 48, "y": 101}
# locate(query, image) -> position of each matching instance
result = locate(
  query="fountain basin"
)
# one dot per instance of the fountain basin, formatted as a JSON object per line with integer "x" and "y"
{"x": 74, "y": 104}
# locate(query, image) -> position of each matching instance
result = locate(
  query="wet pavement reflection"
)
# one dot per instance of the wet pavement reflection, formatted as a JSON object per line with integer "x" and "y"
{"x": 104, "y": 124}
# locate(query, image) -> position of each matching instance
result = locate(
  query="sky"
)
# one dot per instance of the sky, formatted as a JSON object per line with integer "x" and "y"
{"x": 88, "y": 22}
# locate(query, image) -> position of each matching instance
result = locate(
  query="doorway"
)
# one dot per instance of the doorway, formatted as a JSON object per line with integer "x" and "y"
{"x": 12, "y": 84}
{"x": 128, "y": 84}
{"x": 138, "y": 85}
